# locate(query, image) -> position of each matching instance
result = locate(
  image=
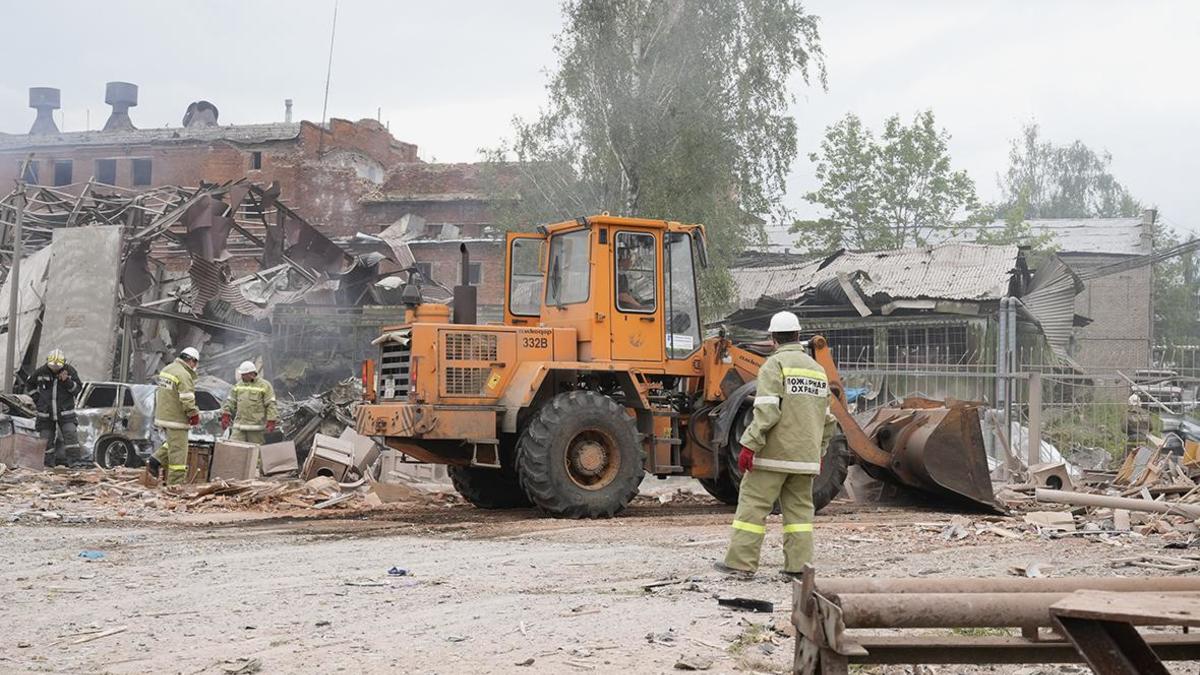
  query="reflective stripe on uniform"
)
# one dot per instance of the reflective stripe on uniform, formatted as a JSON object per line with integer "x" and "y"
{"x": 749, "y": 527}
{"x": 187, "y": 396}
{"x": 168, "y": 377}
{"x": 177, "y": 467}
{"x": 171, "y": 425}
{"x": 797, "y": 527}
{"x": 804, "y": 372}
{"x": 249, "y": 427}
{"x": 785, "y": 465}
{"x": 766, "y": 400}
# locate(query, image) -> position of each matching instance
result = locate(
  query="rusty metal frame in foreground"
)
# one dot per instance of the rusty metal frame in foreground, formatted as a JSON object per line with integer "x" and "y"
{"x": 824, "y": 612}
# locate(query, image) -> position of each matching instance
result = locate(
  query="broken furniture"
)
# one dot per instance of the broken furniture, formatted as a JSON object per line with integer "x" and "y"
{"x": 332, "y": 457}
{"x": 278, "y": 458}
{"x": 199, "y": 462}
{"x": 22, "y": 450}
{"x": 234, "y": 460}
{"x": 825, "y": 612}
{"x": 1053, "y": 475}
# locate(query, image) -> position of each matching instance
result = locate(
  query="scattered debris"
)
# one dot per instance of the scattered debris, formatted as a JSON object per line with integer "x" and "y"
{"x": 748, "y": 604}
{"x": 397, "y": 572}
{"x": 693, "y": 663}
{"x": 91, "y": 555}
{"x": 1051, "y": 520}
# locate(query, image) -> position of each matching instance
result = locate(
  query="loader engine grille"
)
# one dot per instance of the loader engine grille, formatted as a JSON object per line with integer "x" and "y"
{"x": 466, "y": 381}
{"x": 394, "y": 362}
{"x": 470, "y": 346}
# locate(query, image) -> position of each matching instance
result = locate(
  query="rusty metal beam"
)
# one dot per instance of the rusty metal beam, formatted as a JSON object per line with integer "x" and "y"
{"x": 839, "y": 585}
{"x": 940, "y": 610}
{"x": 951, "y": 649}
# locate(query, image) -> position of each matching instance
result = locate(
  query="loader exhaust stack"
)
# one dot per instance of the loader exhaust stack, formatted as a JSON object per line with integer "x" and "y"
{"x": 465, "y": 300}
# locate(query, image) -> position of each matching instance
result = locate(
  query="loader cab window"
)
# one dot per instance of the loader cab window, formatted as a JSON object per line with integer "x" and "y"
{"x": 568, "y": 269}
{"x": 682, "y": 301}
{"x": 637, "y": 272}
{"x": 525, "y": 277}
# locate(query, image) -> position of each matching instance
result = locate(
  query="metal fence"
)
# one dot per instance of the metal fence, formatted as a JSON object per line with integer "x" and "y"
{"x": 1029, "y": 414}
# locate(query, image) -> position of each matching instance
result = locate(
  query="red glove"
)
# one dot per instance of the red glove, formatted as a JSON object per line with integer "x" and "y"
{"x": 271, "y": 426}
{"x": 194, "y": 420}
{"x": 746, "y": 459}
{"x": 226, "y": 420}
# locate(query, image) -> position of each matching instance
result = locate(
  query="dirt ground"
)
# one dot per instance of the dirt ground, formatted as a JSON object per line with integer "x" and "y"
{"x": 496, "y": 592}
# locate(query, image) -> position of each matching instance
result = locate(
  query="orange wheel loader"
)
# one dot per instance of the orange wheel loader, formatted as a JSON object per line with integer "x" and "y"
{"x": 600, "y": 373}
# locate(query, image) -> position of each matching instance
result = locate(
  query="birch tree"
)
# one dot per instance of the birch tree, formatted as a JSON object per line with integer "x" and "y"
{"x": 668, "y": 109}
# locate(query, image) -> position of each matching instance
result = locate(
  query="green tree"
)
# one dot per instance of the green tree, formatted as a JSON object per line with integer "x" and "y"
{"x": 1176, "y": 291}
{"x": 1062, "y": 181}
{"x": 1015, "y": 229}
{"x": 887, "y": 192}
{"x": 669, "y": 109}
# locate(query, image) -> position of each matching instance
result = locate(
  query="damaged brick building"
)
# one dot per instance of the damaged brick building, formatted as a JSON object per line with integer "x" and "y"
{"x": 347, "y": 178}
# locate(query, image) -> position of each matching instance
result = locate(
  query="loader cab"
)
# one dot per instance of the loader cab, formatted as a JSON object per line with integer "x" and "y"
{"x": 626, "y": 285}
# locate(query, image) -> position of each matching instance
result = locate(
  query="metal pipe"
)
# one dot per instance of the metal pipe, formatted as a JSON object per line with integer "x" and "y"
{"x": 1084, "y": 499}
{"x": 856, "y": 585}
{"x": 948, "y": 610}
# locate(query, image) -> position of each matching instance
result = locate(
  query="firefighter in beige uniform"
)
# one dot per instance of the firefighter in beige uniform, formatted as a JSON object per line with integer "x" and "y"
{"x": 250, "y": 407}
{"x": 174, "y": 411}
{"x": 781, "y": 452}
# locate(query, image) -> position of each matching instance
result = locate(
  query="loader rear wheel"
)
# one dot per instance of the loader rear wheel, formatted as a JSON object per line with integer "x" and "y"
{"x": 488, "y": 488}
{"x": 826, "y": 486}
{"x": 580, "y": 457}
{"x": 834, "y": 466}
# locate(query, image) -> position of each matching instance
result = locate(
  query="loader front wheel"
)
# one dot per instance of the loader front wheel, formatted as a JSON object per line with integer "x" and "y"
{"x": 488, "y": 488}
{"x": 580, "y": 457}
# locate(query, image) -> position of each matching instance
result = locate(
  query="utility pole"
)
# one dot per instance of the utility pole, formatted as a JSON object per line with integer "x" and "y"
{"x": 14, "y": 283}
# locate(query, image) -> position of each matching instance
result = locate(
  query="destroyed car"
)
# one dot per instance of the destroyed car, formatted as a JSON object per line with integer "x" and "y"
{"x": 116, "y": 421}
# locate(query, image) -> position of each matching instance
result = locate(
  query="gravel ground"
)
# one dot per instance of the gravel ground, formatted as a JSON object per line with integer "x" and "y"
{"x": 497, "y": 592}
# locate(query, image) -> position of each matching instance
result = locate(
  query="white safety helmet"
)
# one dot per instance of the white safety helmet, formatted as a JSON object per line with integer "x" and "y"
{"x": 191, "y": 353}
{"x": 784, "y": 322}
{"x": 246, "y": 367}
{"x": 56, "y": 359}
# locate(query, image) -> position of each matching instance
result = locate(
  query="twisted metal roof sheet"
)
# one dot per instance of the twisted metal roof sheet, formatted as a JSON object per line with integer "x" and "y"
{"x": 949, "y": 271}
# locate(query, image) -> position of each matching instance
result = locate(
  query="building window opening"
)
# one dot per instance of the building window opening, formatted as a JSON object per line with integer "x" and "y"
{"x": 474, "y": 274}
{"x": 62, "y": 171}
{"x": 426, "y": 271}
{"x": 106, "y": 171}
{"x": 142, "y": 172}
{"x": 31, "y": 171}
{"x": 255, "y": 160}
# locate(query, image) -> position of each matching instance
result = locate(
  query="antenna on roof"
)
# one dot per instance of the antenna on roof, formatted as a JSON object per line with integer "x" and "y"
{"x": 328, "y": 74}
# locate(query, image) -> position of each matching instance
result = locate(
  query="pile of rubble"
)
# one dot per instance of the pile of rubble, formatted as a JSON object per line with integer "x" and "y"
{"x": 88, "y": 495}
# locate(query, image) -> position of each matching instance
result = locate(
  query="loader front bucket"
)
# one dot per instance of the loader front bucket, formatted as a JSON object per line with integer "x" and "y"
{"x": 936, "y": 448}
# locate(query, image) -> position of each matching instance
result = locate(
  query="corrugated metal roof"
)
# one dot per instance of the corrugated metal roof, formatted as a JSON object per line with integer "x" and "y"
{"x": 950, "y": 271}
{"x": 236, "y": 133}
{"x": 1122, "y": 236}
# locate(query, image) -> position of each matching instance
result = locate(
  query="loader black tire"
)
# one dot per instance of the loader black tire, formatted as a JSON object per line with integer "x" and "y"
{"x": 834, "y": 466}
{"x": 488, "y": 488}
{"x": 826, "y": 486}
{"x": 580, "y": 456}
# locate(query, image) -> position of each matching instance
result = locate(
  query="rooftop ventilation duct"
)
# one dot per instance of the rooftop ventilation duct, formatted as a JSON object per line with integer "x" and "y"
{"x": 45, "y": 100}
{"x": 121, "y": 96}
{"x": 200, "y": 114}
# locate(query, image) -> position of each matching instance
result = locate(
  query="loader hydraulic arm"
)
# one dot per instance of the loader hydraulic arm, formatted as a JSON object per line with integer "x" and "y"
{"x": 857, "y": 439}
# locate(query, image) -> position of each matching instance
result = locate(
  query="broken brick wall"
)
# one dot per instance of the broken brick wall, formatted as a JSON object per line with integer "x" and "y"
{"x": 445, "y": 261}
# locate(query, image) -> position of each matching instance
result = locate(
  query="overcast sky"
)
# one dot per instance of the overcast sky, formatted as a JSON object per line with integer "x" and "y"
{"x": 449, "y": 76}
